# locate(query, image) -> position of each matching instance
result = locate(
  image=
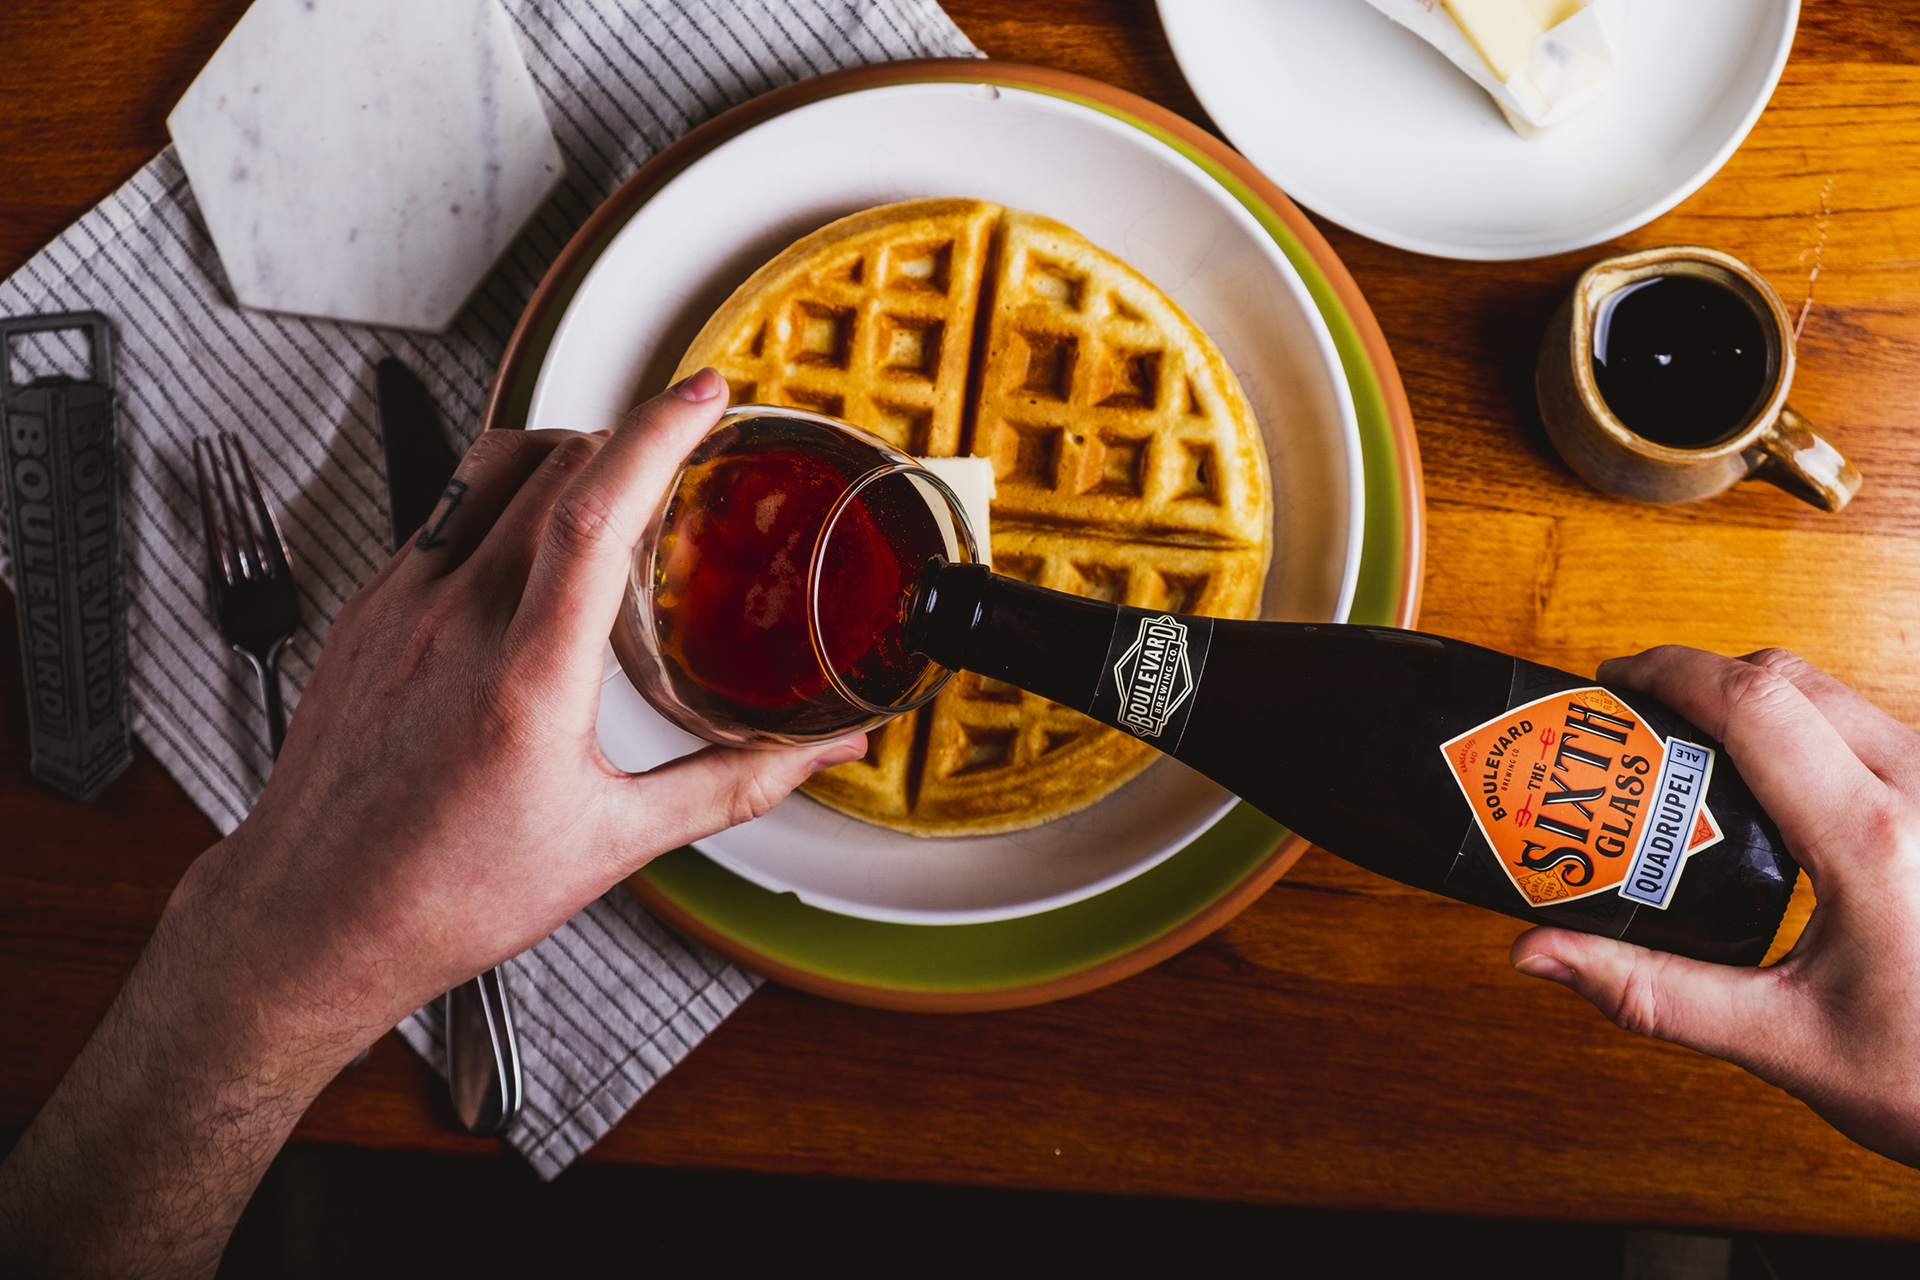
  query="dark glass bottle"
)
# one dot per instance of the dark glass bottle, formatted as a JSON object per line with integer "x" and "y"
{"x": 1438, "y": 763}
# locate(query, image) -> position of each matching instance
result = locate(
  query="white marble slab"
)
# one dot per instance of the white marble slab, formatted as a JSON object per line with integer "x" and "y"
{"x": 365, "y": 160}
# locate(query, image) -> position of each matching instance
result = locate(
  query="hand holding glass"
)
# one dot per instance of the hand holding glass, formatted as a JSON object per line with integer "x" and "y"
{"x": 765, "y": 599}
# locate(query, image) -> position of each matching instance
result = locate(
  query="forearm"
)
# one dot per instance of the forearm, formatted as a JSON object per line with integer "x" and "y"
{"x": 441, "y": 804}
{"x": 141, "y": 1161}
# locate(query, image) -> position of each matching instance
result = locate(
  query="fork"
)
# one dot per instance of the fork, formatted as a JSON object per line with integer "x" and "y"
{"x": 254, "y": 598}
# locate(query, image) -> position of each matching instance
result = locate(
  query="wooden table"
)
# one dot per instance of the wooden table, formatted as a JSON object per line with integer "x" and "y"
{"x": 1345, "y": 1042}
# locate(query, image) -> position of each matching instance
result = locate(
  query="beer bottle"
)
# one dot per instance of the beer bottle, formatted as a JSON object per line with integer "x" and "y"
{"x": 1440, "y": 764}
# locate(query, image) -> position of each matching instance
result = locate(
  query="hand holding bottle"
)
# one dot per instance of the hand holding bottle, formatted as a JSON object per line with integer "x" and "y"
{"x": 1836, "y": 1023}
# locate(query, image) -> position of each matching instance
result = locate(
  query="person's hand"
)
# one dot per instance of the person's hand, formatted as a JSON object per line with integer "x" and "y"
{"x": 441, "y": 804}
{"x": 1836, "y": 1022}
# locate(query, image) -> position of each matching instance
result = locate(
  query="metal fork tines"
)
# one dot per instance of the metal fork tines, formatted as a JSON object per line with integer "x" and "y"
{"x": 254, "y": 598}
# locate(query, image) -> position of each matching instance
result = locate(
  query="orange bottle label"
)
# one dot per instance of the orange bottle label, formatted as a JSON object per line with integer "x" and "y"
{"x": 1573, "y": 790}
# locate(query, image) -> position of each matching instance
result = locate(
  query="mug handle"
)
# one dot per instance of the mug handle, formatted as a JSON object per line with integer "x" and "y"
{"x": 1790, "y": 454}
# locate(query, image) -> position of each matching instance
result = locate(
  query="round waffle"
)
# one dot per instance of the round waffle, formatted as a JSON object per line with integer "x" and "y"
{"x": 1128, "y": 464}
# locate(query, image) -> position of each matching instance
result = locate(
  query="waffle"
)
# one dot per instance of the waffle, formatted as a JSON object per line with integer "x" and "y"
{"x": 1128, "y": 463}
{"x": 1103, "y": 407}
{"x": 869, "y": 319}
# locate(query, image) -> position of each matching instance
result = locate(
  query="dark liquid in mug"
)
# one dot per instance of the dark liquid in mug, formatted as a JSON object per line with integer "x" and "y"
{"x": 1680, "y": 360}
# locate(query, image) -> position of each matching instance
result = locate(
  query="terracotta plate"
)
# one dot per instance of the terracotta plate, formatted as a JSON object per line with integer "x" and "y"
{"x": 1073, "y": 948}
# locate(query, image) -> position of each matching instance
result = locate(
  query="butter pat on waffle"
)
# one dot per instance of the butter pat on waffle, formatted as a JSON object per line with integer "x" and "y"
{"x": 1127, "y": 462}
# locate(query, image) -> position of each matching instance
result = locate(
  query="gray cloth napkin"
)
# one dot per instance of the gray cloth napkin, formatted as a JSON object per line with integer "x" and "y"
{"x": 613, "y": 1000}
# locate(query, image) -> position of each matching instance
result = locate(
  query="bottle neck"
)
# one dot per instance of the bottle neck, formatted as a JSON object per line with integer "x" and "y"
{"x": 966, "y": 617}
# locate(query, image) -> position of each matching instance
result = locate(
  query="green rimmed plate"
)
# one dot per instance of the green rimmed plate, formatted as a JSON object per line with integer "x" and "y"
{"x": 1071, "y": 948}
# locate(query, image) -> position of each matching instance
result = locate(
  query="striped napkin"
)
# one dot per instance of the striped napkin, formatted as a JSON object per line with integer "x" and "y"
{"x": 613, "y": 1000}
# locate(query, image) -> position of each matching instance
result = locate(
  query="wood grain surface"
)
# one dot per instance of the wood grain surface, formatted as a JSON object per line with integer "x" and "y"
{"x": 1346, "y": 1041}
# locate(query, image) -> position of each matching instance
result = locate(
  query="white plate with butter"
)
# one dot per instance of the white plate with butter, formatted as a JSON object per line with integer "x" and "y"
{"x": 1369, "y": 126}
{"x": 709, "y": 227}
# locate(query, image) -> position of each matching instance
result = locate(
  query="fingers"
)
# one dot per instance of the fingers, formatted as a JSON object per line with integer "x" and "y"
{"x": 1883, "y": 744}
{"x": 505, "y": 555}
{"x": 1801, "y": 770}
{"x": 579, "y": 571}
{"x": 711, "y": 790}
{"x": 483, "y": 484}
{"x": 1723, "y": 1010}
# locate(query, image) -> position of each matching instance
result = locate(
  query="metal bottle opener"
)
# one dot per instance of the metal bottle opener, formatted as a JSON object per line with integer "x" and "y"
{"x": 63, "y": 497}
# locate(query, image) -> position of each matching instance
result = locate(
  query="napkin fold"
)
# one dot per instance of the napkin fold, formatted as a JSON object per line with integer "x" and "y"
{"x": 612, "y": 1000}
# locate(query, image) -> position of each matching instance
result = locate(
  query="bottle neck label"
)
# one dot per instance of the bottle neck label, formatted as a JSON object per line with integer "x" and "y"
{"x": 1153, "y": 668}
{"x": 1577, "y": 794}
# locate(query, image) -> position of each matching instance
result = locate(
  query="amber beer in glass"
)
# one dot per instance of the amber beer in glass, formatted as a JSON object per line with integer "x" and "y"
{"x": 1438, "y": 763}
{"x": 763, "y": 608}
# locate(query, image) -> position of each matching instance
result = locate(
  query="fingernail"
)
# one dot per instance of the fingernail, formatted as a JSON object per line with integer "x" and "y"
{"x": 1544, "y": 966}
{"x": 841, "y": 753}
{"x": 1600, "y": 672}
{"x": 704, "y": 385}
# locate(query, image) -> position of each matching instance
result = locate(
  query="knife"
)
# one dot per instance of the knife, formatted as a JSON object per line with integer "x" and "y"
{"x": 483, "y": 1053}
{"x": 419, "y": 463}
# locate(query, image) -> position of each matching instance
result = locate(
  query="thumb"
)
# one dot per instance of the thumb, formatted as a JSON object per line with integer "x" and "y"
{"x": 1715, "y": 1008}
{"x": 711, "y": 790}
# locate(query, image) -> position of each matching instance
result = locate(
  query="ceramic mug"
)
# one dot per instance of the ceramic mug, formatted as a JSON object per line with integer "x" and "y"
{"x": 1773, "y": 443}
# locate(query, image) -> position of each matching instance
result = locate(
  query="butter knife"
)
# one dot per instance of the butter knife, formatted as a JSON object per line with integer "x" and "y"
{"x": 483, "y": 1053}
{"x": 419, "y": 463}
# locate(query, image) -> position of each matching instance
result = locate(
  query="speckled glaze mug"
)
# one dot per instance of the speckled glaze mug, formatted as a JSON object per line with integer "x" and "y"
{"x": 1773, "y": 443}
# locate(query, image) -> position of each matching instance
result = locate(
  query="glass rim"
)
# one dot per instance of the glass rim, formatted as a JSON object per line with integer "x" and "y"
{"x": 963, "y": 529}
{"x": 646, "y": 666}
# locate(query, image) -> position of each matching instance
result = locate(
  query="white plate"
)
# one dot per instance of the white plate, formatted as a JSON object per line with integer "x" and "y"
{"x": 1368, "y": 125}
{"x": 687, "y": 248}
